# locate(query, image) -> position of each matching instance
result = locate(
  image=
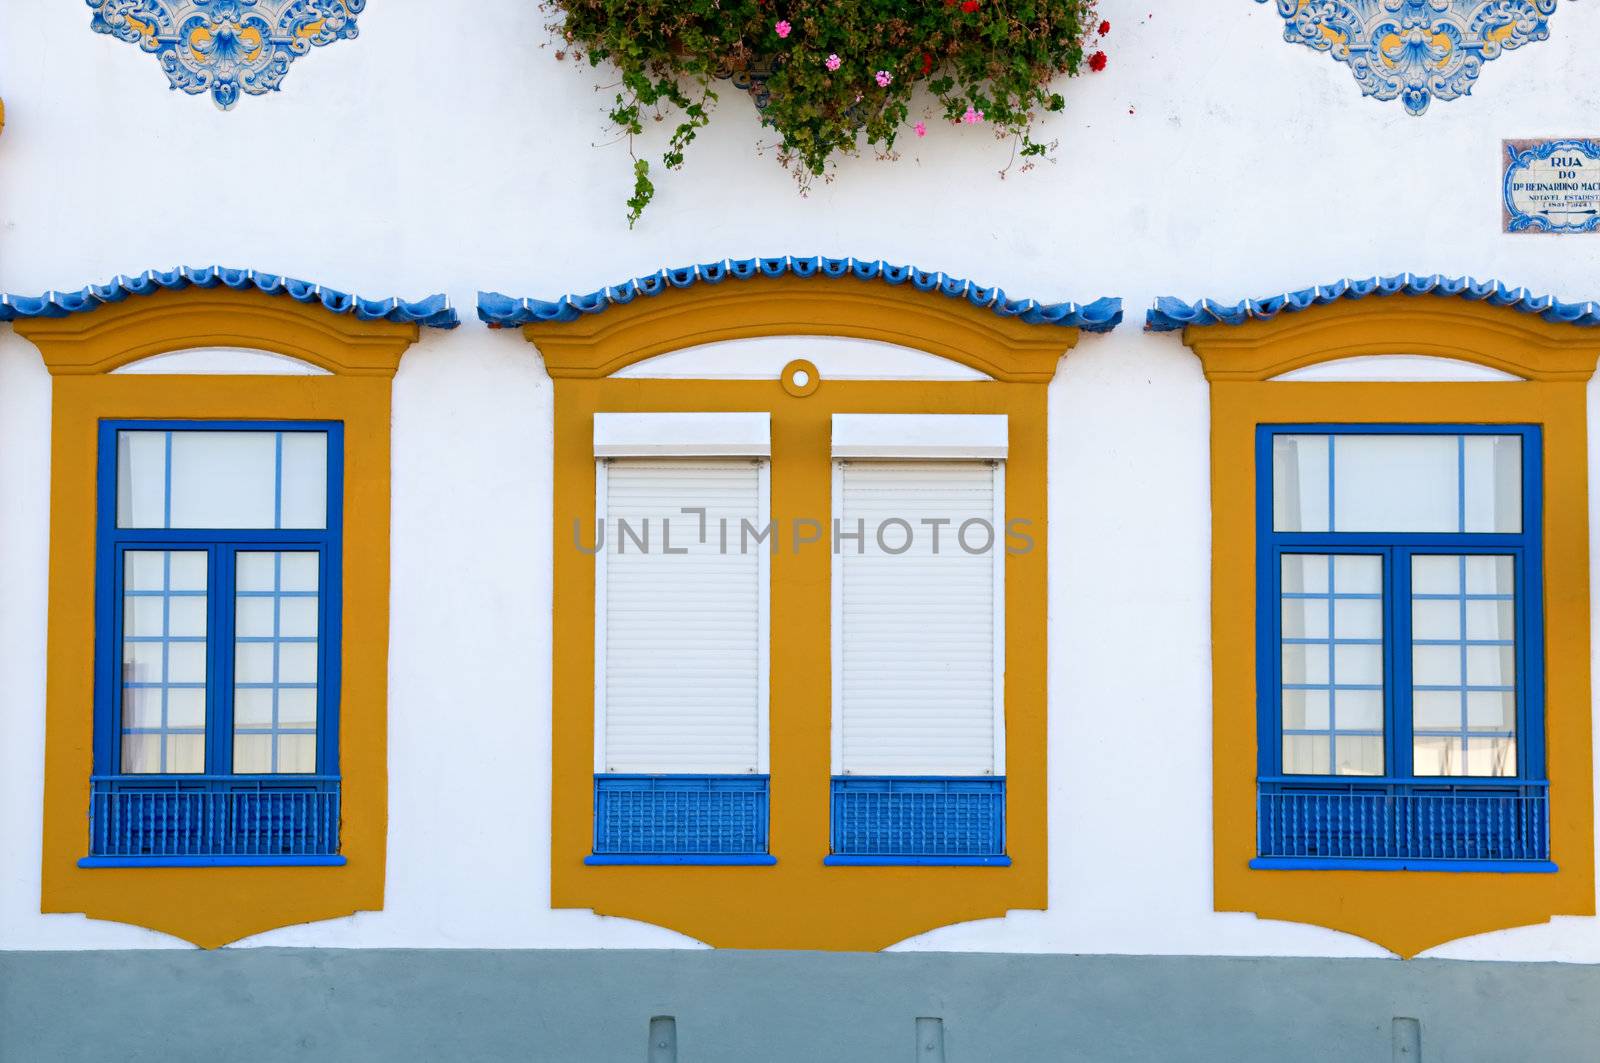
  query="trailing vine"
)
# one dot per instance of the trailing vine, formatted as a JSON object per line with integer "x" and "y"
{"x": 826, "y": 75}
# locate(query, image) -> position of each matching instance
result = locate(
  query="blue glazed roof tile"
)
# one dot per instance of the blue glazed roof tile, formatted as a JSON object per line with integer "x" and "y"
{"x": 503, "y": 311}
{"x": 1171, "y": 315}
{"x": 434, "y": 311}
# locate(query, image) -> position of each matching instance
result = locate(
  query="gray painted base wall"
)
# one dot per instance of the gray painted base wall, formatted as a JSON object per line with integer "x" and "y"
{"x": 413, "y": 1006}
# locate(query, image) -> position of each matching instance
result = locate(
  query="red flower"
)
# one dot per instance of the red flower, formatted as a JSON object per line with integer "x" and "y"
{"x": 1097, "y": 62}
{"x": 969, "y": 6}
{"x": 927, "y": 62}
{"x": 1105, "y": 28}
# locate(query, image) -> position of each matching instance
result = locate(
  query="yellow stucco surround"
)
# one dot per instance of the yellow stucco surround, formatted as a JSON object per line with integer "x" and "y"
{"x": 798, "y": 902}
{"x": 214, "y": 905}
{"x": 1404, "y": 911}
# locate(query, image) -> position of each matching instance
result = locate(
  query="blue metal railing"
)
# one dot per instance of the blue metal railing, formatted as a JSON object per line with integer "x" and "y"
{"x": 897, "y": 816}
{"x": 213, "y": 816}
{"x": 1404, "y": 821}
{"x": 680, "y": 815}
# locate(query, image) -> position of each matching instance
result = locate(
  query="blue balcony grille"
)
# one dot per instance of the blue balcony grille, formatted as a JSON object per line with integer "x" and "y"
{"x": 891, "y": 816}
{"x": 214, "y": 817}
{"x": 1405, "y": 822}
{"x": 680, "y": 815}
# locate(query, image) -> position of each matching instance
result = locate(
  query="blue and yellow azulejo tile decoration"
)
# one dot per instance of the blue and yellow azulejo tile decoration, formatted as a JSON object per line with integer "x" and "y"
{"x": 1415, "y": 51}
{"x": 227, "y": 47}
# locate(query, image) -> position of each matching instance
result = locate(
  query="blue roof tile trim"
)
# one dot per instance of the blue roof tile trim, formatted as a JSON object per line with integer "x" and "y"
{"x": 435, "y": 311}
{"x": 498, "y": 310}
{"x": 1171, "y": 315}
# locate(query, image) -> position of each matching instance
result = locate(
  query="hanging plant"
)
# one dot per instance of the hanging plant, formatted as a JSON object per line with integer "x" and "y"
{"x": 825, "y": 75}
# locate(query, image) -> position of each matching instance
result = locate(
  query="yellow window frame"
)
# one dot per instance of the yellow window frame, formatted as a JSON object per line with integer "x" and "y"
{"x": 798, "y": 903}
{"x": 1403, "y": 911}
{"x": 211, "y": 906}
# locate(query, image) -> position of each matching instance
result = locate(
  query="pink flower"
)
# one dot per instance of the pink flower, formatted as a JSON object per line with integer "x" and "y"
{"x": 832, "y": 62}
{"x": 972, "y": 117}
{"x": 883, "y": 78}
{"x": 782, "y": 28}
{"x": 921, "y": 128}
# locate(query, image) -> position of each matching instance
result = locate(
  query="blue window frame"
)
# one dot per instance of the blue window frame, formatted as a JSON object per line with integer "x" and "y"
{"x": 217, "y": 643}
{"x": 1400, "y": 673}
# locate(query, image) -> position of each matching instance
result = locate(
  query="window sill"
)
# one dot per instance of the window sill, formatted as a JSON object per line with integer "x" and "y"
{"x": 212, "y": 861}
{"x": 1302, "y": 863}
{"x": 917, "y": 861}
{"x": 690, "y": 859}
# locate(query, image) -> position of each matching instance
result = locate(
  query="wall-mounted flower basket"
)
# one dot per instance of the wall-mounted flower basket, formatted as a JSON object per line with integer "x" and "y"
{"x": 826, "y": 75}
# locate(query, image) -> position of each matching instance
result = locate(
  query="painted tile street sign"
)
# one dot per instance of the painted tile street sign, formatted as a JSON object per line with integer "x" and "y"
{"x": 1550, "y": 186}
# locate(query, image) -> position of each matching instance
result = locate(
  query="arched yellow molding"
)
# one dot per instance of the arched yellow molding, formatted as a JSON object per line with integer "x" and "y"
{"x": 1501, "y": 338}
{"x": 213, "y": 906}
{"x": 798, "y": 903}
{"x": 1406, "y": 912}
{"x": 597, "y": 345}
{"x": 142, "y": 326}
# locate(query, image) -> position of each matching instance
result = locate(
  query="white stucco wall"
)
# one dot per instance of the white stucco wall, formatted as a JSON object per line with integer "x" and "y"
{"x": 443, "y": 150}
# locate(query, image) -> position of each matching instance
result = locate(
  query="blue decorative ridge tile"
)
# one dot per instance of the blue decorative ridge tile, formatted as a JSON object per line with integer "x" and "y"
{"x": 503, "y": 311}
{"x": 434, "y": 311}
{"x": 1170, "y": 314}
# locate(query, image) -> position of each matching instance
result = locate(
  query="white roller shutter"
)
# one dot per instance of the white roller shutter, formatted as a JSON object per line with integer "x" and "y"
{"x": 918, "y": 648}
{"x": 681, "y": 669}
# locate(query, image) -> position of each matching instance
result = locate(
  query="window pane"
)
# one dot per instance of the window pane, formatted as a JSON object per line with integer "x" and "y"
{"x": 1490, "y": 574}
{"x": 224, "y": 479}
{"x": 1482, "y": 757}
{"x": 1493, "y": 483}
{"x": 186, "y": 754}
{"x": 1305, "y": 573}
{"x": 141, "y": 754}
{"x": 252, "y": 754}
{"x": 1305, "y": 710}
{"x": 1495, "y": 757}
{"x": 1436, "y": 665}
{"x": 305, "y": 480}
{"x": 141, "y": 479}
{"x": 297, "y": 707}
{"x": 1305, "y": 754}
{"x": 218, "y": 479}
{"x": 1398, "y": 483}
{"x": 1358, "y": 664}
{"x": 1305, "y": 618}
{"x": 1300, "y": 483}
{"x": 141, "y": 708}
{"x": 1463, "y": 706}
{"x": 252, "y": 709}
{"x": 1306, "y": 664}
{"x": 1358, "y": 755}
{"x": 1491, "y": 710}
{"x": 164, "y": 643}
{"x": 1435, "y": 619}
{"x": 1435, "y": 574}
{"x": 276, "y": 657}
{"x": 1333, "y": 678}
{"x": 1360, "y": 710}
{"x": 1405, "y": 483}
{"x": 1358, "y": 618}
{"x": 1435, "y": 710}
{"x": 297, "y": 754}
